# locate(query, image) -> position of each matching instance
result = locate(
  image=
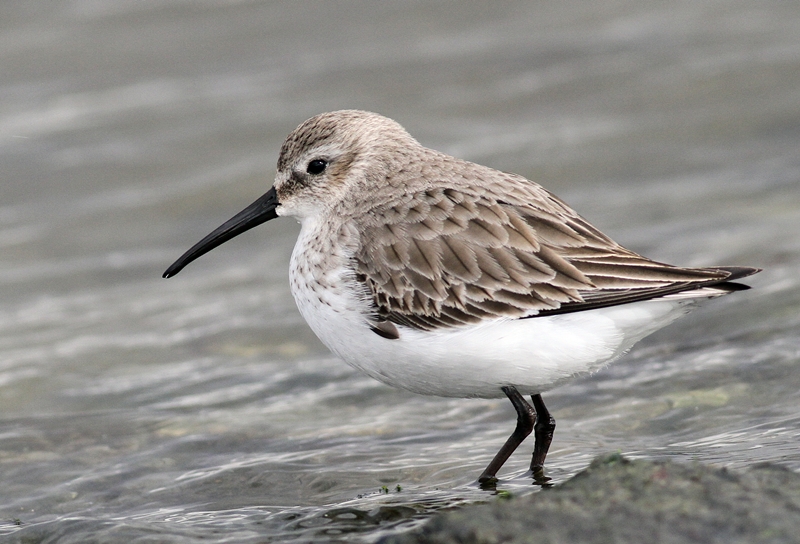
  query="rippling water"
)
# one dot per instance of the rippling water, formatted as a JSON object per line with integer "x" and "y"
{"x": 141, "y": 410}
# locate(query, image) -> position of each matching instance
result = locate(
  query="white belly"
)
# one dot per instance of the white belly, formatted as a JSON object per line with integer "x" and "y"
{"x": 531, "y": 354}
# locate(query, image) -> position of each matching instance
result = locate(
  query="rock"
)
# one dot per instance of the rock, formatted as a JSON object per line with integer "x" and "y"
{"x": 616, "y": 500}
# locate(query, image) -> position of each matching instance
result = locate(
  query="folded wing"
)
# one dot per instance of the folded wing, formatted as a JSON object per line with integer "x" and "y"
{"x": 446, "y": 257}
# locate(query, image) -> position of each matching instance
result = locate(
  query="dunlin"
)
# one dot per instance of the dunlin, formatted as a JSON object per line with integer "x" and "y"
{"x": 449, "y": 278}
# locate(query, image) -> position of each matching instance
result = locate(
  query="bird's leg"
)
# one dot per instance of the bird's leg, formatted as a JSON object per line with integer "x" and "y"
{"x": 543, "y": 434}
{"x": 525, "y": 424}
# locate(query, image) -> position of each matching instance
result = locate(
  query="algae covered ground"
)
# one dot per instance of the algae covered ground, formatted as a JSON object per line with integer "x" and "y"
{"x": 621, "y": 501}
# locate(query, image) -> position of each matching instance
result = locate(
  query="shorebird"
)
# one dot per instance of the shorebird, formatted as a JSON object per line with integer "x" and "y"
{"x": 445, "y": 277}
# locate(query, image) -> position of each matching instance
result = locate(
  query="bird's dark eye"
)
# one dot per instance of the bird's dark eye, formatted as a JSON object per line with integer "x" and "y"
{"x": 317, "y": 166}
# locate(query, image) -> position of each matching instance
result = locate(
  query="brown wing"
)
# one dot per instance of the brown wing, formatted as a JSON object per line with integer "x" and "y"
{"x": 451, "y": 256}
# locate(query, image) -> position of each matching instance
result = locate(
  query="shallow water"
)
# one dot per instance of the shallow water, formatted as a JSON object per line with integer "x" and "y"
{"x": 142, "y": 410}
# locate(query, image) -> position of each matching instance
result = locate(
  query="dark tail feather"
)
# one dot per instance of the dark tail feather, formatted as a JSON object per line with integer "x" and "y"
{"x": 736, "y": 272}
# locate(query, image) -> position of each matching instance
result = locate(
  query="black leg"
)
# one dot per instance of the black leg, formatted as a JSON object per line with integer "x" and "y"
{"x": 525, "y": 424}
{"x": 543, "y": 434}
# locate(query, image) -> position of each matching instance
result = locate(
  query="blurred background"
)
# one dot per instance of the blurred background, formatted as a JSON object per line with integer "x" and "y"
{"x": 135, "y": 409}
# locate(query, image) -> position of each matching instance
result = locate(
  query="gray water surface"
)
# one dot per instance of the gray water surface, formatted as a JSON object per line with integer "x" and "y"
{"x": 134, "y": 409}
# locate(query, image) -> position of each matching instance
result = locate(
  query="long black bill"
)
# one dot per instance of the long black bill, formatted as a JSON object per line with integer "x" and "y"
{"x": 260, "y": 211}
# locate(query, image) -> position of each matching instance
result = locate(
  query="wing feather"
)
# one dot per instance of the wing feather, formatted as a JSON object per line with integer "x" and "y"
{"x": 447, "y": 257}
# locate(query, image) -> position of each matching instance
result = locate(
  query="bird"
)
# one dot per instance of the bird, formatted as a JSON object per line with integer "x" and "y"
{"x": 445, "y": 277}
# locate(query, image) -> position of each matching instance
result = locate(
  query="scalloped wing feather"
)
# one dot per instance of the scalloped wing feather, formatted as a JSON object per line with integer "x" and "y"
{"x": 445, "y": 257}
